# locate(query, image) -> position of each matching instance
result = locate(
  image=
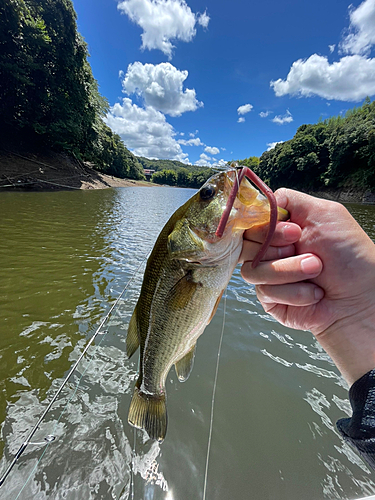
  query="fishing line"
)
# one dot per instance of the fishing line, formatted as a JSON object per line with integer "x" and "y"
{"x": 133, "y": 451}
{"x": 27, "y": 442}
{"x": 58, "y": 420}
{"x": 213, "y": 398}
{"x": 18, "y": 184}
{"x": 133, "y": 457}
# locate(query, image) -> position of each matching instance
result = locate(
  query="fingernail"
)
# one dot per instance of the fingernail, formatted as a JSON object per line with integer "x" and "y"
{"x": 310, "y": 265}
{"x": 318, "y": 293}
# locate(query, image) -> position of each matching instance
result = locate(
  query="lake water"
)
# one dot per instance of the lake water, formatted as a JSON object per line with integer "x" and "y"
{"x": 64, "y": 259}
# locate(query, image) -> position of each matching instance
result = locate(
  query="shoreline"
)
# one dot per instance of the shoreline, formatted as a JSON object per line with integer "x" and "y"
{"x": 52, "y": 171}
{"x": 346, "y": 195}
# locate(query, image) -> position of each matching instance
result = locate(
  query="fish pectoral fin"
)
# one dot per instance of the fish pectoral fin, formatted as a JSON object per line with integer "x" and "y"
{"x": 184, "y": 365}
{"x": 182, "y": 292}
{"x": 215, "y": 306}
{"x": 132, "y": 338}
{"x": 149, "y": 412}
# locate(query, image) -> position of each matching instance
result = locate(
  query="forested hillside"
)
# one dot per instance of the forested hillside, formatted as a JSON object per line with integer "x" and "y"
{"x": 334, "y": 153}
{"x": 49, "y": 100}
{"x": 190, "y": 176}
{"x": 48, "y": 95}
{"x": 160, "y": 164}
{"x": 176, "y": 173}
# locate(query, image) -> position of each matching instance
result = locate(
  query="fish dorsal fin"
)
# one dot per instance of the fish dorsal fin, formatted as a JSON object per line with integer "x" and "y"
{"x": 180, "y": 295}
{"x": 184, "y": 365}
{"x": 215, "y": 306}
{"x": 132, "y": 338}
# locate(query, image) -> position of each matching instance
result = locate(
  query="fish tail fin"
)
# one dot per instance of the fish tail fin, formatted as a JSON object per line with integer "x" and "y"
{"x": 149, "y": 412}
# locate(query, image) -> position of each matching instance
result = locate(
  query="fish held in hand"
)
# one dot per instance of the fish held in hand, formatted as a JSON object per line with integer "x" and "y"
{"x": 185, "y": 277}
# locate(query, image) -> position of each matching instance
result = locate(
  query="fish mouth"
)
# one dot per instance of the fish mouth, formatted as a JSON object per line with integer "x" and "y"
{"x": 253, "y": 209}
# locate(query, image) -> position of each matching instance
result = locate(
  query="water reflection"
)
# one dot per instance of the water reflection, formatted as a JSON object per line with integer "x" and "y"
{"x": 65, "y": 258}
{"x": 365, "y": 216}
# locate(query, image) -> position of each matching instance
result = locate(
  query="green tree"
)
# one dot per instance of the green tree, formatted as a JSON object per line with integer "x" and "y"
{"x": 251, "y": 162}
{"x": 48, "y": 95}
{"x": 335, "y": 152}
{"x": 110, "y": 155}
{"x": 47, "y": 90}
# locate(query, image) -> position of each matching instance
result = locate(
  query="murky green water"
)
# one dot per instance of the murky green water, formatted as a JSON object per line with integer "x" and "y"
{"x": 64, "y": 258}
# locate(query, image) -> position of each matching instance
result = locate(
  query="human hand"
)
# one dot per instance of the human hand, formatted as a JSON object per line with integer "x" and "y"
{"x": 325, "y": 283}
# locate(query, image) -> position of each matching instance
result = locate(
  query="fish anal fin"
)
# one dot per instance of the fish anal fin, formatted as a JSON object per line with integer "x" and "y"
{"x": 180, "y": 295}
{"x": 149, "y": 412}
{"x": 184, "y": 365}
{"x": 132, "y": 338}
{"x": 216, "y": 306}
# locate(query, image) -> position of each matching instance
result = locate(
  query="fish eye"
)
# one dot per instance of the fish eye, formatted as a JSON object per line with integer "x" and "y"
{"x": 207, "y": 192}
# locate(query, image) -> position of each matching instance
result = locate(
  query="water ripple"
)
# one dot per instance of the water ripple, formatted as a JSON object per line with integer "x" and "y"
{"x": 57, "y": 283}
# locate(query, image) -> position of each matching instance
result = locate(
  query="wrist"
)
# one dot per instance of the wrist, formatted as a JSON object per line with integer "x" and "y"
{"x": 350, "y": 342}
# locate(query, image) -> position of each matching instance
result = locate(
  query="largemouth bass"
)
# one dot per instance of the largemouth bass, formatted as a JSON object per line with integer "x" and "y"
{"x": 186, "y": 275}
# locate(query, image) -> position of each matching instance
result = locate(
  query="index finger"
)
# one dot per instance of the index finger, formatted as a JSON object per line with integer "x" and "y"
{"x": 282, "y": 271}
{"x": 286, "y": 233}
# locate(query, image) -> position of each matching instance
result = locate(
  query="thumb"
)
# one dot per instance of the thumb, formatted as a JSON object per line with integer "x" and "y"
{"x": 299, "y": 205}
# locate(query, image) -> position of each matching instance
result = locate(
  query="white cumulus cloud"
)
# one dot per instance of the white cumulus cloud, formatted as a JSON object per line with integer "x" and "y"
{"x": 245, "y": 108}
{"x": 161, "y": 86}
{"x": 264, "y": 114}
{"x": 144, "y": 131}
{"x": 203, "y": 19}
{"x": 281, "y": 119}
{"x": 163, "y": 21}
{"x": 206, "y": 161}
{"x": 271, "y": 145}
{"x": 212, "y": 150}
{"x": 350, "y": 79}
{"x": 241, "y": 119}
{"x": 220, "y": 163}
{"x": 205, "y": 157}
{"x": 191, "y": 142}
{"x": 361, "y": 32}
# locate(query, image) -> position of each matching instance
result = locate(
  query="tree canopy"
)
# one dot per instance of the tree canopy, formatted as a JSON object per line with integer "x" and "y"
{"x": 48, "y": 95}
{"x": 176, "y": 173}
{"x": 187, "y": 176}
{"x": 333, "y": 153}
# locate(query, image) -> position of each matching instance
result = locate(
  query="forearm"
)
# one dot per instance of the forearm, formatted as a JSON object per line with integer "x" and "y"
{"x": 350, "y": 343}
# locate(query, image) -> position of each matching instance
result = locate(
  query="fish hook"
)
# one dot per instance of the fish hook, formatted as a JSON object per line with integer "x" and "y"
{"x": 267, "y": 191}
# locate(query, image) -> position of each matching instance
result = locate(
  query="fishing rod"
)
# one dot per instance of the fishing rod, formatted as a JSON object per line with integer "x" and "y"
{"x": 51, "y": 438}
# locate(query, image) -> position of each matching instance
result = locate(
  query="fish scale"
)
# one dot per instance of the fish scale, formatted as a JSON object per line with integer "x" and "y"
{"x": 186, "y": 274}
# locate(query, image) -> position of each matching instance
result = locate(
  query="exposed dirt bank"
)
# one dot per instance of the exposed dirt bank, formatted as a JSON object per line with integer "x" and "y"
{"x": 347, "y": 195}
{"x": 53, "y": 171}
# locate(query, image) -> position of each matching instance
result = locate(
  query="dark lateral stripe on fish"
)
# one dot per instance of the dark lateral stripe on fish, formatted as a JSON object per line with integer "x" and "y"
{"x": 149, "y": 412}
{"x": 185, "y": 276}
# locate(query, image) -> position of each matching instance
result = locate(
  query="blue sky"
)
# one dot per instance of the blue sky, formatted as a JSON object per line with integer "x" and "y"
{"x": 209, "y": 81}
